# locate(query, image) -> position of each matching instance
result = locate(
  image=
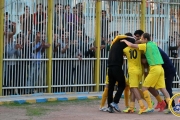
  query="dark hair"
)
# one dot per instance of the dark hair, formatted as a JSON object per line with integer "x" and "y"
{"x": 38, "y": 5}
{"x": 67, "y": 6}
{"x": 104, "y": 11}
{"x": 6, "y": 13}
{"x": 26, "y": 7}
{"x": 74, "y": 7}
{"x": 56, "y": 5}
{"x": 46, "y": 7}
{"x": 147, "y": 36}
{"x": 129, "y": 34}
{"x": 139, "y": 32}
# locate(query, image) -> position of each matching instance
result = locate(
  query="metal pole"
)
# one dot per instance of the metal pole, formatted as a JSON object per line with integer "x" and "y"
{"x": 143, "y": 12}
{"x": 49, "y": 51}
{"x": 97, "y": 42}
{"x": 1, "y": 42}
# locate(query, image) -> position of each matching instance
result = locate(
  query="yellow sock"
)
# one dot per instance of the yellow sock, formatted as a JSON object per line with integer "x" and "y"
{"x": 141, "y": 93}
{"x": 158, "y": 98}
{"x": 147, "y": 98}
{"x": 126, "y": 96}
{"x": 167, "y": 100}
{"x": 132, "y": 105}
{"x": 104, "y": 97}
{"x": 141, "y": 104}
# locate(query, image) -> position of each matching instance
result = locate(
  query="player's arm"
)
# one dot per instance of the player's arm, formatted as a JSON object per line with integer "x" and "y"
{"x": 130, "y": 44}
{"x": 138, "y": 42}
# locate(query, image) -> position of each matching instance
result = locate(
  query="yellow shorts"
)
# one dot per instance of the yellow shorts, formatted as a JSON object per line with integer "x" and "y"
{"x": 107, "y": 82}
{"x": 155, "y": 78}
{"x": 135, "y": 78}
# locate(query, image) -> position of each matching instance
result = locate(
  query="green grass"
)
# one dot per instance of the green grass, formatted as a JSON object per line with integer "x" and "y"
{"x": 39, "y": 109}
{"x": 36, "y": 111}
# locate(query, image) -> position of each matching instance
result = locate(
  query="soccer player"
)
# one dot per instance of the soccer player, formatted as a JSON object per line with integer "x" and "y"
{"x": 135, "y": 75}
{"x": 138, "y": 34}
{"x": 169, "y": 72}
{"x": 105, "y": 94}
{"x": 155, "y": 78}
{"x": 115, "y": 72}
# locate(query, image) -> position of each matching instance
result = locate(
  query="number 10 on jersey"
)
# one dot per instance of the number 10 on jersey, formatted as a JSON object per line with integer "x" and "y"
{"x": 133, "y": 53}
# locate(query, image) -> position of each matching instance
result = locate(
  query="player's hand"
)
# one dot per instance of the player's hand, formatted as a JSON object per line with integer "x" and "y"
{"x": 123, "y": 40}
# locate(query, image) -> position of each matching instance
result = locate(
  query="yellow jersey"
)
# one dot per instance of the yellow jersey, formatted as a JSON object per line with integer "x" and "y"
{"x": 134, "y": 59}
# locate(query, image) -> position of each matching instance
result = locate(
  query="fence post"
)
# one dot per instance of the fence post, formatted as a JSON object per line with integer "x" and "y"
{"x": 97, "y": 42}
{"x": 143, "y": 13}
{"x": 49, "y": 50}
{"x": 1, "y": 42}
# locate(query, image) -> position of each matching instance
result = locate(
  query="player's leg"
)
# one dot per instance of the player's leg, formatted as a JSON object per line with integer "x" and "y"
{"x": 168, "y": 82}
{"x": 161, "y": 86}
{"x": 131, "y": 107}
{"x": 126, "y": 93}
{"x": 134, "y": 79}
{"x": 119, "y": 76}
{"x": 150, "y": 81}
{"x": 104, "y": 95}
{"x": 112, "y": 82}
{"x": 104, "y": 98}
{"x": 161, "y": 104}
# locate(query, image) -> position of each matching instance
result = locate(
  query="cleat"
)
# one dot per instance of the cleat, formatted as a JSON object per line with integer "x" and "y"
{"x": 110, "y": 110}
{"x": 162, "y": 106}
{"x": 115, "y": 106}
{"x": 128, "y": 110}
{"x": 148, "y": 110}
{"x": 158, "y": 105}
{"x": 167, "y": 111}
{"x": 104, "y": 109}
{"x": 142, "y": 111}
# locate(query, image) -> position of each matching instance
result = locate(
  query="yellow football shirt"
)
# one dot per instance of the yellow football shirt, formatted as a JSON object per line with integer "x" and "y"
{"x": 134, "y": 58}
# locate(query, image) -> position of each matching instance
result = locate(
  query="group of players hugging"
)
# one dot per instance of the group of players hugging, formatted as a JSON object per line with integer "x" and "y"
{"x": 149, "y": 70}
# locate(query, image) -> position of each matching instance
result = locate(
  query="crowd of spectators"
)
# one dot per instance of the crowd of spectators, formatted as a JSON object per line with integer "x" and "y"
{"x": 22, "y": 75}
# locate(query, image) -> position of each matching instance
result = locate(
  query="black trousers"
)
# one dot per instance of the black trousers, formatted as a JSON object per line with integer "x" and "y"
{"x": 169, "y": 80}
{"x": 115, "y": 73}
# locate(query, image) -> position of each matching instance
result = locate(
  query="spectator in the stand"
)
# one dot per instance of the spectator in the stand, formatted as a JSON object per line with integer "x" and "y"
{"x": 89, "y": 48}
{"x": 56, "y": 63}
{"x": 22, "y": 66}
{"x": 79, "y": 7}
{"x": 38, "y": 48}
{"x": 105, "y": 25}
{"x": 70, "y": 19}
{"x": 39, "y": 18}
{"x": 56, "y": 46}
{"x": 26, "y": 20}
{"x": 64, "y": 46}
{"x": 46, "y": 10}
{"x": 80, "y": 38}
{"x": 58, "y": 18}
{"x": 172, "y": 47}
{"x": 113, "y": 35}
{"x": 8, "y": 27}
{"x": 76, "y": 53}
{"x": 12, "y": 51}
